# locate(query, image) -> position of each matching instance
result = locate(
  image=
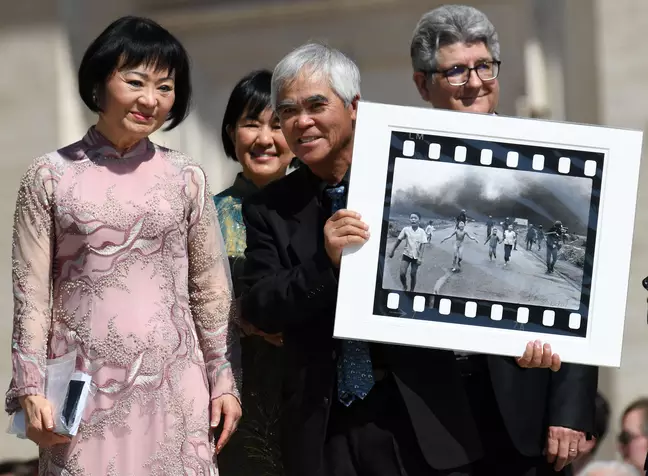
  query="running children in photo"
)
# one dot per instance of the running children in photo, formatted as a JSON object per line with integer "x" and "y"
{"x": 415, "y": 239}
{"x": 460, "y": 233}
{"x": 493, "y": 240}
{"x": 429, "y": 231}
{"x": 510, "y": 240}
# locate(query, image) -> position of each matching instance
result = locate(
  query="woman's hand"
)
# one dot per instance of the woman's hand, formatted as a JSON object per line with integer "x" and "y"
{"x": 229, "y": 406}
{"x": 40, "y": 422}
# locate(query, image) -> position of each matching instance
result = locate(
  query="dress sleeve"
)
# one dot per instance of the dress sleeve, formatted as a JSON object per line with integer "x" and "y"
{"x": 32, "y": 251}
{"x": 211, "y": 296}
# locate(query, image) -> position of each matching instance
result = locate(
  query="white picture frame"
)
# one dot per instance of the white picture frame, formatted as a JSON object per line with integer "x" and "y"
{"x": 397, "y": 146}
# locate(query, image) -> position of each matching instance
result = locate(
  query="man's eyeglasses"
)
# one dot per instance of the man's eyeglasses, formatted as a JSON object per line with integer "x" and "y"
{"x": 625, "y": 438}
{"x": 460, "y": 74}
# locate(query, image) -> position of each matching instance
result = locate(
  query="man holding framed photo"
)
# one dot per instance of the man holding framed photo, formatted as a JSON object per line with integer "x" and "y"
{"x": 351, "y": 408}
{"x": 535, "y": 419}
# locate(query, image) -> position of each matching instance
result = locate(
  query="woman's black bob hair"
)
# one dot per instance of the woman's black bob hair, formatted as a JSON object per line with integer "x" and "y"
{"x": 251, "y": 96}
{"x": 130, "y": 42}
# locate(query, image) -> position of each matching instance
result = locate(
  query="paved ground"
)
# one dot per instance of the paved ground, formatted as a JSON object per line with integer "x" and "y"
{"x": 523, "y": 281}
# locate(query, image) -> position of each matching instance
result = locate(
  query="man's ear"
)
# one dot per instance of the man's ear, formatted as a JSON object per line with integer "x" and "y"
{"x": 421, "y": 81}
{"x": 354, "y": 107}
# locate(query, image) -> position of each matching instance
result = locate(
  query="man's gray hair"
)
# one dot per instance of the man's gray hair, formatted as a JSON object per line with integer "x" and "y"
{"x": 447, "y": 25}
{"x": 612, "y": 468}
{"x": 321, "y": 62}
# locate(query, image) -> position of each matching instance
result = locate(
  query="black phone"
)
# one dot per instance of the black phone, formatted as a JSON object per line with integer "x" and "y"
{"x": 72, "y": 401}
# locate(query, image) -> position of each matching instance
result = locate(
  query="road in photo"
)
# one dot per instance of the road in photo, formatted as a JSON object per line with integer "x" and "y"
{"x": 499, "y": 198}
{"x": 523, "y": 281}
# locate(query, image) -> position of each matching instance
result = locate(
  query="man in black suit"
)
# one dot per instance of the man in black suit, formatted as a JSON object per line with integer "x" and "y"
{"x": 455, "y": 56}
{"x": 296, "y": 230}
{"x": 413, "y": 411}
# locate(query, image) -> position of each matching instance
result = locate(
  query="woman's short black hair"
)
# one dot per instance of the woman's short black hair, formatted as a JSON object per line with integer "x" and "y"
{"x": 251, "y": 96}
{"x": 129, "y": 42}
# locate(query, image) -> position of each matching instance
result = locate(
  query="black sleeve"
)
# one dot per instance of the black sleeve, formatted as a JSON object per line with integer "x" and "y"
{"x": 572, "y": 397}
{"x": 275, "y": 296}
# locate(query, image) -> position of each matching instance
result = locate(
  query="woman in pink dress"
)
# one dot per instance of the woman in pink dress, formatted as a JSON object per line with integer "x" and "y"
{"x": 118, "y": 255}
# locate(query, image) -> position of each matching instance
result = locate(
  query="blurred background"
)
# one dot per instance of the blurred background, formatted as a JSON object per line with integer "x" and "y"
{"x": 576, "y": 60}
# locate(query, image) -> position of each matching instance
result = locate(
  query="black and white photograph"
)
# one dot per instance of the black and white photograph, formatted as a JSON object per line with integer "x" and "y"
{"x": 487, "y": 233}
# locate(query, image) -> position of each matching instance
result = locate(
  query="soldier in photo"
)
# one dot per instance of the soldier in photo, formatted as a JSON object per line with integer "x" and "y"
{"x": 540, "y": 236}
{"x": 554, "y": 237}
{"x": 530, "y": 237}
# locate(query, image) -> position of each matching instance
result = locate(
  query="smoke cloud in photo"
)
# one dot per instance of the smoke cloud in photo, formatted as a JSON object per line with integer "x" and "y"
{"x": 440, "y": 189}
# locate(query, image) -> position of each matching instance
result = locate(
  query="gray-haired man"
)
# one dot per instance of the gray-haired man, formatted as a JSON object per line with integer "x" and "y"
{"x": 350, "y": 407}
{"x": 342, "y": 414}
{"x": 516, "y": 415}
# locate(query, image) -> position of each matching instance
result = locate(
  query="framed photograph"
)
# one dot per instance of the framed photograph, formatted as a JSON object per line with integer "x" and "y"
{"x": 488, "y": 232}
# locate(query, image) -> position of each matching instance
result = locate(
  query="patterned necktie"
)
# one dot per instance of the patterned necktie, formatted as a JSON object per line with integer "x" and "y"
{"x": 354, "y": 369}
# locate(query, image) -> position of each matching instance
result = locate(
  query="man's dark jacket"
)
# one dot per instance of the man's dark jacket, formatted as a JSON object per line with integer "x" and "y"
{"x": 290, "y": 286}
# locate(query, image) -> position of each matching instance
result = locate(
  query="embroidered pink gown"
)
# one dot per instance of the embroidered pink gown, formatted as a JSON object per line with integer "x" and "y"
{"x": 121, "y": 257}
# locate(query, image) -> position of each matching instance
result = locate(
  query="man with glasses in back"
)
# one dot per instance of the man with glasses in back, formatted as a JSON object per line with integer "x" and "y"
{"x": 520, "y": 421}
{"x": 633, "y": 439}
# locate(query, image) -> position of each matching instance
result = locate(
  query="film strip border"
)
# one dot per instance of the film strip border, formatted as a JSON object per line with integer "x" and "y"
{"x": 499, "y": 154}
{"x": 536, "y": 158}
{"x": 482, "y": 313}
